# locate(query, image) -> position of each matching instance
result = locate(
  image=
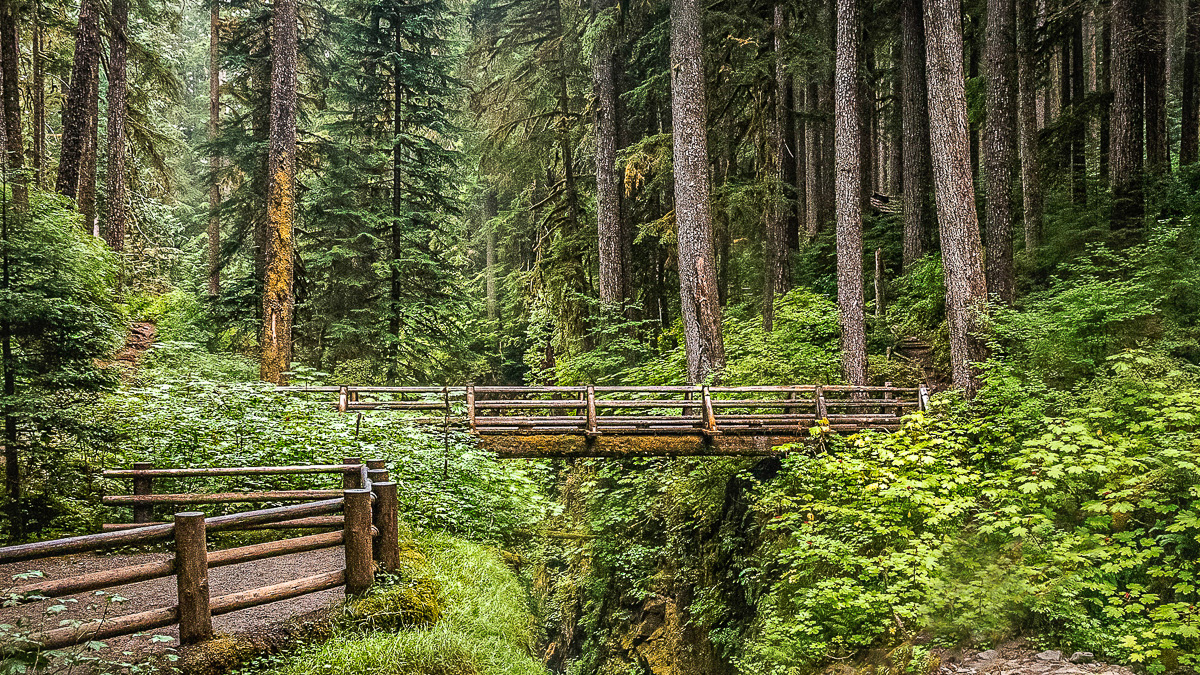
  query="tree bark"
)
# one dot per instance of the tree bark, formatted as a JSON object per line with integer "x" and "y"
{"x": 1000, "y": 146}
{"x": 87, "y": 165}
{"x": 697, "y": 272}
{"x": 848, "y": 178}
{"x": 608, "y": 189}
{"x": 278, "y": 300}
{"x": 776, "y": 274}
{"x": 12, "y": 468}
{"x": 115, "y": 174}
{"x": 1126, "y": 139}
{"x": 1155, "y": 60}
{"x": 1189, "y": 137}
{"x": 214, "y": 121}
{"x": 1031, "y": 184}
{"x": 962, "y": 255}
{"x": 10, "y": 51}
{"x": 38, "y": 86}
{"x": 918, "y": 170}
{"x": 76, "y": 111}
{"x": 800, "y": 173}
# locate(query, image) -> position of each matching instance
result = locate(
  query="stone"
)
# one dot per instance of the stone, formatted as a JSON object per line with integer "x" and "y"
{"x": 988, "y": 655}
{"x": 1049, "y": 655}
{"x": 1082, "y": 657}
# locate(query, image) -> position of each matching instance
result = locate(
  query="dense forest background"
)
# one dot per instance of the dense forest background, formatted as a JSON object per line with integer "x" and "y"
{"x": 996, "y": 198}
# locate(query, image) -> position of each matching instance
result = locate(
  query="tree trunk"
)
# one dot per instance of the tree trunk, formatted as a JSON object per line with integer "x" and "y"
{"x": 776, "y": 274}
{"x": 76, "y": 111}
{"x": 896, "y": 128}
{"x": 10, "y": 50}
{"x": 1105, "y": 83}
{"x": 693, "y": 218}
{"x": 866, "y": 118}
{"x": 1031, "y": 183}
{"x": 608, "y": 189}
{"x": 962, "y": 254}
{"x": 278, "y": 301}
{"x": 12, "y": 468}
{"x": 1155, "y": 44}
{"x": 87, "y": 164}
{"x": 1189, "y": 135}
{"x": 1078, "y": 124}
{"x": 814, "y": 161}
{"x": 115, "y": 174}
{"x": 1126, "y": 141}
{"x": 848, "y": 177}
{"x": 918, "y": 171}
{"x": 395, "y": 282}
{"x": 214, "y": 120}
{"x": 800, "y": 173}
{"x": 39, "y": 99}
{"x": 1000, "y": 146}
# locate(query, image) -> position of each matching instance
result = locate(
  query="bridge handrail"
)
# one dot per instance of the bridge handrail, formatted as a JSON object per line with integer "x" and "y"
{"x": 368, "y": 533}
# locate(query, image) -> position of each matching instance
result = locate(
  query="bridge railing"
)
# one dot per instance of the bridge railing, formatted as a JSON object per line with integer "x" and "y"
{"x": 367, "y": 532}
{"x": 597, "y": 409}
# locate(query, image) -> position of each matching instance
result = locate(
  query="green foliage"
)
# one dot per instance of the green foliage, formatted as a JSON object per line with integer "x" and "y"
{"x": 804, "y": 347}
{"x": 446, "y": 482}
{"x": 485, "y": 629}
{"x": 56, "y": 305}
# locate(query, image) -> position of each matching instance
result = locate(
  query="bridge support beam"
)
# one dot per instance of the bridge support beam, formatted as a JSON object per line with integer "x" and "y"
{"x": 634, "y": 445}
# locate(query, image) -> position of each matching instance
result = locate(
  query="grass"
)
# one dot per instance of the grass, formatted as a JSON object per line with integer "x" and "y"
{"x": 485, "y": 629}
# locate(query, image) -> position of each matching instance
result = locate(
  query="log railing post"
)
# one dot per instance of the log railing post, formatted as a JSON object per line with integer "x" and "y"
{"x": 710, "y": 418}
{"x": 351, "y": 481}
{"x": 887, "y": 395}
{"x": 387, "y": 520}
{"x": 143, "y": 485}
{"x": 376, "y": 464}
{"x": 356, "y": 537}
{"x": 343, "y": 399}
{"x": 822, "y": 411}
{"x": 377, "y": 475}
{"x": 923, "y": 398}
{"x": 591, "y": 409}
{"x": 471, "y": 406}
{"x": 191, "y": 574}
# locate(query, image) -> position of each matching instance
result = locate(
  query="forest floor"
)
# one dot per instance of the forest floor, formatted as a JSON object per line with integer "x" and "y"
{"x": 156, "y": 593}
{"x": 1018, "y": 657}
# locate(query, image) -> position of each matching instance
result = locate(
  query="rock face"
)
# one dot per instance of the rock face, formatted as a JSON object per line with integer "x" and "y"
{"x": 1018, "y": 659}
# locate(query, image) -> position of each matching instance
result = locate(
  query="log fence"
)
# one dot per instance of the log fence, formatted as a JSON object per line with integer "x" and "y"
{"x": 366, "y": 531}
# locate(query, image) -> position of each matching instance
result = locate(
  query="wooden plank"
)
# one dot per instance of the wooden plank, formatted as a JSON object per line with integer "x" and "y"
{"x": 520, "y": 405}
{"x": 219, "y": 497}
{"x": 289, "y": 589}
{"x": 232, "y": 471}
{"x": 316, "y": 522}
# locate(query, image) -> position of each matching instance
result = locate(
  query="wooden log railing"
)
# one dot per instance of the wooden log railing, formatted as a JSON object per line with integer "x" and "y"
{"x": 595, "y": 409}
{"x": 367, "y": 533}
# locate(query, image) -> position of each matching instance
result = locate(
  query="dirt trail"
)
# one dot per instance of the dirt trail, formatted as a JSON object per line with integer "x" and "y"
{"x": 161, "y": 592}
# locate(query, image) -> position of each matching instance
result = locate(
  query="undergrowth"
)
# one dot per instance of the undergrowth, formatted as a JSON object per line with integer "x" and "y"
{"x": 485, "y": 628}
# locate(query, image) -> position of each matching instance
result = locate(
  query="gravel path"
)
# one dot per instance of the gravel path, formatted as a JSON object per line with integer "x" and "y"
{"x": 157, "y": 593}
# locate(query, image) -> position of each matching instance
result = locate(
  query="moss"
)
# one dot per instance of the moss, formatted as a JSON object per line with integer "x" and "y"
{"x": 408, "y": 604}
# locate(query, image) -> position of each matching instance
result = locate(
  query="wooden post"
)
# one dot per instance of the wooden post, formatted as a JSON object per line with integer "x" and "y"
{"x": 591, "y": 409}
{"x": 143, "y": 485}
{"x": 376, "y": 463}
{"x": 352, "y": 481}
{"x": 357, "y": 541}
{"x": 710, "y": 419}
{"x": 343, "y": 399}
{"x": 822, "y": 412}
{"x": 887, "y": 395}
{"x": 191, "y": 574}
{"x": 471, "y": 406}
{"x": 387, "y": 520}
{"x": 923, "y": 398}
{"x": 377, "y": 475}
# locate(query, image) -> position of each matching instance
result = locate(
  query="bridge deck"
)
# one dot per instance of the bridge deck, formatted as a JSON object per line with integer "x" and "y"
{"x": 591, "y": 420}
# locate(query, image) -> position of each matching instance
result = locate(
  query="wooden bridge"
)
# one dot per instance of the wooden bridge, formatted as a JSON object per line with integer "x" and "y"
{"x": 614, "y": 421}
